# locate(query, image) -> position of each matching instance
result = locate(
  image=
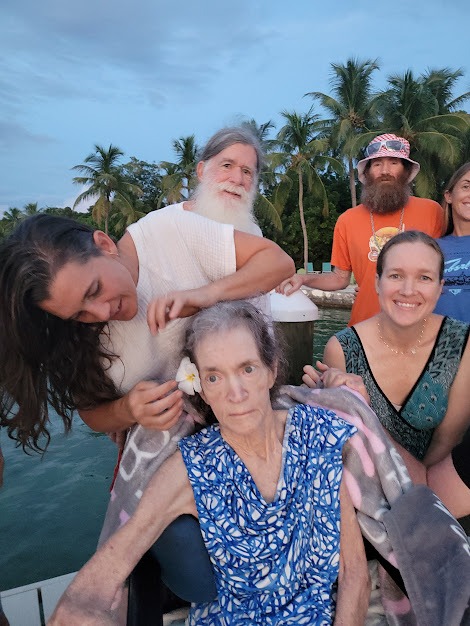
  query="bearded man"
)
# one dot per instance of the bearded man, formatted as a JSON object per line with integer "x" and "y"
{"x": 387, "y": 208}
{"x": 228, "y": 179}
{"x": 228, "y": 175}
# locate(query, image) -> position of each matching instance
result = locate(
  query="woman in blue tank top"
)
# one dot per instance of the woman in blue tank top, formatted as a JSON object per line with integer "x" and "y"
{"x": 455, "y": 245}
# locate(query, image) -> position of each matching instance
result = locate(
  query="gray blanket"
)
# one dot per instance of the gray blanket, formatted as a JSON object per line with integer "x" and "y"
{"x": 407, "y": 524}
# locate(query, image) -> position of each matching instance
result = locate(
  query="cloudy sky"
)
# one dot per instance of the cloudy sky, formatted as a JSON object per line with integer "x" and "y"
{"x": 140, "y": 74}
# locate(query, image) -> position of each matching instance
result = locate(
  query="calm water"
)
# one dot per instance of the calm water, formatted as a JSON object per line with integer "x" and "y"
{"x": 51, "y": 509}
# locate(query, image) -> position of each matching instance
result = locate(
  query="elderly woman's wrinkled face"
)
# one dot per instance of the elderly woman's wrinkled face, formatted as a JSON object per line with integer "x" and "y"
{"x": 235, "y": 382}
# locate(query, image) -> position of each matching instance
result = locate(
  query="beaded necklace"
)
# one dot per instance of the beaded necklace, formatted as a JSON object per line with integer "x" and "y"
{"x": 400, "y": 226}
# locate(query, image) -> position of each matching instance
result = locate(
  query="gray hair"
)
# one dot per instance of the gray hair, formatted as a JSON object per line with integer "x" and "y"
{"x": 225, "y": 316}
{"x": 226, "y": 137}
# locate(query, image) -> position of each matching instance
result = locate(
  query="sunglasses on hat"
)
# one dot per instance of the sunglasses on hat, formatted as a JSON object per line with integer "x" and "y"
{"x": 394, "y": 145}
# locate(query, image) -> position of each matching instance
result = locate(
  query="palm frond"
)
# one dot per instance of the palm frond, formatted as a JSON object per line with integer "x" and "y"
{"x": 266, "y": 209}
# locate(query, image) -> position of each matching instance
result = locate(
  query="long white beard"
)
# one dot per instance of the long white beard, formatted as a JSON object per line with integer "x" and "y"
{"x": 220, "y": 207}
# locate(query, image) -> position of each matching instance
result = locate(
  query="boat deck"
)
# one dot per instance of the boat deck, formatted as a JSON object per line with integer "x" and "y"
{"x": 32, "y": 605}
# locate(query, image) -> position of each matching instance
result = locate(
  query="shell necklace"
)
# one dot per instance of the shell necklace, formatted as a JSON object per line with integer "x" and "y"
{"x": 411, "y": 350}
{"x": 400, "y": 226}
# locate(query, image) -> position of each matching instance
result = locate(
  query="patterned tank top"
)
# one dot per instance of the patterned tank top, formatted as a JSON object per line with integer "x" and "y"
{"x": 412, "y": 425}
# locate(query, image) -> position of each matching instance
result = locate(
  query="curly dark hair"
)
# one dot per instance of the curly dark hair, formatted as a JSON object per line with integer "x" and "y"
{"x": 46, "y": 360}
{"x": 226, "y": 316}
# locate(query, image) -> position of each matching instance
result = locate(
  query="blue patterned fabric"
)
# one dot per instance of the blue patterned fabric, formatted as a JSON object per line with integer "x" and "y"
{"x": 426, "y": 404}
{"x": 274, "y": 562}
{"x": 455, "y": 298}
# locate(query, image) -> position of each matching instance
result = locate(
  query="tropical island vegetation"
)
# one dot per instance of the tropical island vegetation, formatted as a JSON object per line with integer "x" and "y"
{"x": 309, "y": 177}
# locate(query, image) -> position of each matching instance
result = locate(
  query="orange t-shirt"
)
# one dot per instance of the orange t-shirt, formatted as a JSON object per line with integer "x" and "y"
{"x": 354, "y": 248}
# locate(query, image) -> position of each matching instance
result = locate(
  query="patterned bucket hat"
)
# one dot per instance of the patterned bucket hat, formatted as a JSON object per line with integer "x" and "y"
{"x": 387, "y": 145}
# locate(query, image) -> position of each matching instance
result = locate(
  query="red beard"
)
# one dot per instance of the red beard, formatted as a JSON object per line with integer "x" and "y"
{"x": 385, "y": 194}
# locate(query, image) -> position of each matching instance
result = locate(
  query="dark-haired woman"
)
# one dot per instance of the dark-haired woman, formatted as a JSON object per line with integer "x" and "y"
{"x": 3, "y": 618}
{"x": 92, "y": 325}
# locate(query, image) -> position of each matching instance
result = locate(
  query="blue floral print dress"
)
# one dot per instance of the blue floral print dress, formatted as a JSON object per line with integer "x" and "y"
{"x": 274, "y": 562}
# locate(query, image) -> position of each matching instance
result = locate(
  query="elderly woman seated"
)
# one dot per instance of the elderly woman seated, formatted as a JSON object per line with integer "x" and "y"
{"x": 266, "y": 486}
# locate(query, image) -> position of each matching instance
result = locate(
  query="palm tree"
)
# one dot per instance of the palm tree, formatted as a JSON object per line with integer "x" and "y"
{"x": 418, "y": 109}
{"x": 302, "y": 152}
{"x": 441, "y": 83}
{"x": 263, "y": 208}
{"x": 123, "y": 213}
{"x": 351, "y": 108}
{"x": 102, "y": 173}
{"x": 261, "y": 132}
{"x": 268, "y": 145}
{"x": 11, "y": 218}
{"x": 31, "y": 208}
{"x": 179, "y": 179}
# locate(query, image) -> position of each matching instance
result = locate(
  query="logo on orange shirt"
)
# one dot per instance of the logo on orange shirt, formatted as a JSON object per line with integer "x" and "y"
{"x": 379, "y": 239}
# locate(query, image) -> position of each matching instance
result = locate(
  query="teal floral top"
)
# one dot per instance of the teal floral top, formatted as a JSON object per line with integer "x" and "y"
{"x": 425, "y": 406}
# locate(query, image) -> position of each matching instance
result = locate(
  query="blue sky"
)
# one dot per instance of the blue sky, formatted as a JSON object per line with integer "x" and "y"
{"x": 140, "y": 74}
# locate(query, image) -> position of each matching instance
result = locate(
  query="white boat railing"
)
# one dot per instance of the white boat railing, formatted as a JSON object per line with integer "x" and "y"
{"x": 32, "y": 605}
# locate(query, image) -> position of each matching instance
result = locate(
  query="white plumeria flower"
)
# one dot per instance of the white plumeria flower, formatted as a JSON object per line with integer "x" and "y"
{"x": 187, "y": 377}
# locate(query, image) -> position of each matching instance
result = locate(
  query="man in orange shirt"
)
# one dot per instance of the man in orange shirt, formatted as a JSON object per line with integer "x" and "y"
{"x": 387, "y": 208}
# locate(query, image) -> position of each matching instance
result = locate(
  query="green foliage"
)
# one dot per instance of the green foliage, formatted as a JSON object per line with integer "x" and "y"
{"x": 13, "y": 216}
{"x": 320, "y": 228}
{"x": 148, "y": 178}
{"x": 106, "y": 181}
{"x": 304, "y": 178}
{"x": 303, "y": 158}
{"x": 351, "y": 107}
{"x": 320, "y": 235}
{"x": 422, "y": 110}
{"x": 179, "y": 179}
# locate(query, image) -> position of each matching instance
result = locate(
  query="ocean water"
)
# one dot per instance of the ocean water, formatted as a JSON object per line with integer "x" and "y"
{"x": 52, "y": 507}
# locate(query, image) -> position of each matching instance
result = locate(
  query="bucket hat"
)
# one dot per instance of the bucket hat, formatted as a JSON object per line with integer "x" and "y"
{"x": 387, "y": 145}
